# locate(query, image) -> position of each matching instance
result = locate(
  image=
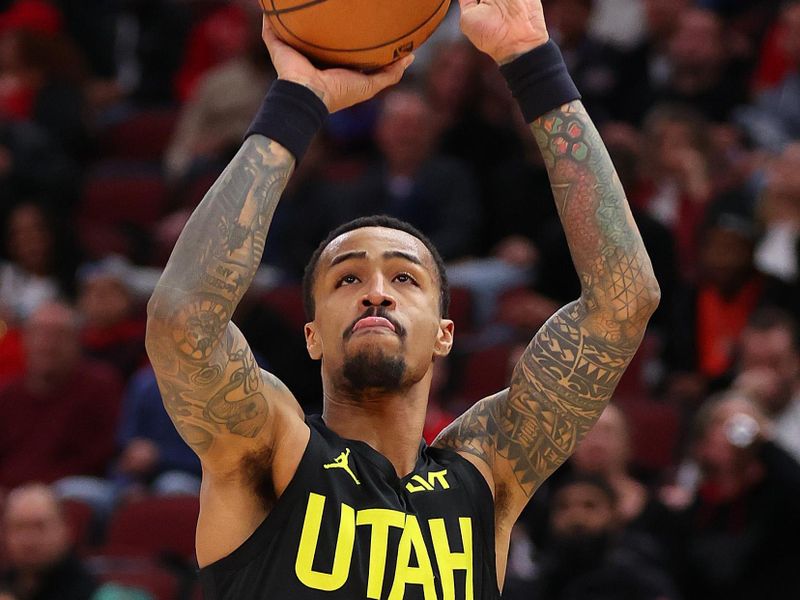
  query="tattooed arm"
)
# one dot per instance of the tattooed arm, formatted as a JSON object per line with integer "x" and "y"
{"x": 244, "y": 424}
{"x": 567, "y": 374}
{"x": 212, "y": 388}
{"x": 211, "y": 385}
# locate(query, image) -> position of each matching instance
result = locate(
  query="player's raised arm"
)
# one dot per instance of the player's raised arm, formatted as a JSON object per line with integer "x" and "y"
{"x": 569, "y": 371}
{"x": 222, "y": 404}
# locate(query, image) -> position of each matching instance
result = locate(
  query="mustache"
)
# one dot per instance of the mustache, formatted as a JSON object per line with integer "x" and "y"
{"x": 376, "y": 311}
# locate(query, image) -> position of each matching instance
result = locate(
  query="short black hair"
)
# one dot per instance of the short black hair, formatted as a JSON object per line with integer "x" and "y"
{"x": 309, "y": 277}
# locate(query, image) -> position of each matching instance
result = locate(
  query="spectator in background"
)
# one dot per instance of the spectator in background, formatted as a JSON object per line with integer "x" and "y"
{"x": 220, "y": 108}
{"x": 774, "y": 119}
{"x": 645, "y": 66}
{"x": 588, "y": 556}
{"x": 677, "y": 183}
{"x": 43, "y": 79}
{"x": 219, "y": 36}
{"x": 709, "y": 316}
{"x": 768, "y": 370}
{"x": 737, "y": 538}
{"x": 778, "y": 250}
{"x": 41, "y": 564}
{"x": 473, "y": 114}
{"x": 59, "y": 417}
{"x": 592, "y": 63}
{"x": 134, "y": 48}
{"x": 701, "y": 70}
{"x": 606, "y": 452}
{"x": 32, "y": 165}
{"x": 113, "y": 325}
{"x": 40, "y": 264}
{"x": 413, "y": 182}
{"x": 153, "y": 457}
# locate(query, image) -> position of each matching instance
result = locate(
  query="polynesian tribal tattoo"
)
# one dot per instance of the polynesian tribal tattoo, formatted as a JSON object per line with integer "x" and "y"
{"x": 568, "y": 373}
{"x": 209, "y": 379}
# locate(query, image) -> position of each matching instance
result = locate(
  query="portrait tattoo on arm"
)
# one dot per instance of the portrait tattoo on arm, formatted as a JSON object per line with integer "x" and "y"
{"x": 567, "y": 374}
{"x": 209, "y": 379}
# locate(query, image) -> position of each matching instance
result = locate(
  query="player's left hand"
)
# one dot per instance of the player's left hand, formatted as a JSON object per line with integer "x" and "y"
{"x": 337, "y": 88}
{"x": 504, "y": 29}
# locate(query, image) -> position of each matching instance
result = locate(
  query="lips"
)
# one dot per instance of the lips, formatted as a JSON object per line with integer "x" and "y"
{"x": 373, "y": 322}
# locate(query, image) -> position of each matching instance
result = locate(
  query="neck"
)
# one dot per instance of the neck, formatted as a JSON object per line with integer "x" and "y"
{"x": 389, "y": 422}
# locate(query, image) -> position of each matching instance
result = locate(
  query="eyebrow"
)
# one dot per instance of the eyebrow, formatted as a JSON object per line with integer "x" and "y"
{"x": 347, "y": 256}
{"x": 404, "y": 255}
{"x": 360, "y": 255}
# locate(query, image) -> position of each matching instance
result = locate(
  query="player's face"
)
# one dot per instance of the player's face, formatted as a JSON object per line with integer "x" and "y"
{"x": 377, "y": 323}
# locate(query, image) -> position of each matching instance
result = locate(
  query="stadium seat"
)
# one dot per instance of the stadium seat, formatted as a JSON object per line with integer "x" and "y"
{"x": 157, "y": 527}
{"x": 655, "y": 428}
{"x": 123, "y": 198}
{"x": 485, "y": 372}
{"x": 160, "y": 583}
{"x": 118, "y": 208}
{"x": 287, "y": 301}
{"x": 461, "y": 309}
{"x": 142, "y": 136}
{"x": 80, "y": 517}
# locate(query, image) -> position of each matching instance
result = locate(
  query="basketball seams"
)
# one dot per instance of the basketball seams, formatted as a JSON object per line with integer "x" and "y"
{"x": 276, "y": 17}
{"x": 280, "y": 11}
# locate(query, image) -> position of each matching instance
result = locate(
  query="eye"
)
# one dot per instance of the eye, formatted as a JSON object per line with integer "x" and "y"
{"x": 346, "y": 280}
{"x": 405, "y": 278}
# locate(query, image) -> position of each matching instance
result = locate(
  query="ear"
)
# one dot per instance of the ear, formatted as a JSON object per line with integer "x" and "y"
{"x": 313, "y": 343}
{"x": 444, "y": 338}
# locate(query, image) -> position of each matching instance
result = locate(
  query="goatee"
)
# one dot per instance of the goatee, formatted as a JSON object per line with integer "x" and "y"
{"x": 373, "y": 371}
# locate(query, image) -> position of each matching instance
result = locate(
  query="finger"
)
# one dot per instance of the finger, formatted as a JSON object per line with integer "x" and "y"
{"x": 273, "y": 42}
{"x": 390, "y": 74}
{"x": 464, "y": 4}
{"x": 268, "y": 34}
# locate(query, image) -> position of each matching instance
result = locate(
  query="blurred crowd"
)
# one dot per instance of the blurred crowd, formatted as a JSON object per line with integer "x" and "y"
{"x": 117, "y": 115}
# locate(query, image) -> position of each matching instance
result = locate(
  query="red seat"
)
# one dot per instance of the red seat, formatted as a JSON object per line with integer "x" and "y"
{"x": 655, "y": 428}
{"x": 142, "y": 136}
{"x": 118, "y": 209}
{"x": 287, "y": 300}
{"x": 79, "y": 516}
{"x": 154, "y": 527}
{"x": 133, "y": 199}
{"x": 98, "y": 240}
{"x": 141, "y": 575}
{"x": 486, "y": 372}
{"x": 461, "y": 309}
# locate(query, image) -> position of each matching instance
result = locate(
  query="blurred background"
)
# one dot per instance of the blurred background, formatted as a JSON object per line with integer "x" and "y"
{"x": 117, "y": 115}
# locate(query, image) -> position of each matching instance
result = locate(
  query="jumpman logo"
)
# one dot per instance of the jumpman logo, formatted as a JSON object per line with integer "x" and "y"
{"x": 341, "y": 462}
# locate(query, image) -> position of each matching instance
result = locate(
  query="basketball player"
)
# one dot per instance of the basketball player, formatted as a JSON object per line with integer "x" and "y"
{"x": 352, "y": 504}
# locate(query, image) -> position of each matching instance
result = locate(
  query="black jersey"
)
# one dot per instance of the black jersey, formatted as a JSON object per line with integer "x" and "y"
{"x": 347, "y": 528}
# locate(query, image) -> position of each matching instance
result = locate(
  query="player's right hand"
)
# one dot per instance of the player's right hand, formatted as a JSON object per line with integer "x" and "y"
{"x": 504, "y": 29}
{"x": 337, "y": 88}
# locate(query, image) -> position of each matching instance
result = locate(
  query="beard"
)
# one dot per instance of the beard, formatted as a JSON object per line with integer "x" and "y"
{"x": 373, "y": 371}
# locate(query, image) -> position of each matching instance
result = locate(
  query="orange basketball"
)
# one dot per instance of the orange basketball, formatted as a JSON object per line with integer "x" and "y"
{"x": 360, "y": 34}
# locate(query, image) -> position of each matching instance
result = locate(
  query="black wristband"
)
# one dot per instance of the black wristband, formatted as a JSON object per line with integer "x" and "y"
{"x": 539, "y": 81}
{"x": 291, "y": 115}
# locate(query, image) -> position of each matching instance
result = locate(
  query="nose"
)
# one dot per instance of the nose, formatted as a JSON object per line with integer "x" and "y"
{"x": 377, "y": 294}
